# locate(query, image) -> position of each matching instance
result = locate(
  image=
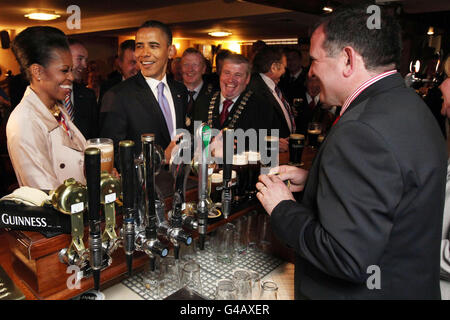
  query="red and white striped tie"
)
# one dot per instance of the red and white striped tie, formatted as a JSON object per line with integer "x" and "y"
{"x": 68, "y": 105}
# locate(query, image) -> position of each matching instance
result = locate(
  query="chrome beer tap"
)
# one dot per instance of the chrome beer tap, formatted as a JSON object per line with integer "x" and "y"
{"x": 228, "y": 135}
{"x": 92, "y": 165}
{"x": 174, "y": 229}
{"x": 126, "y": 153}
{"x": 147, "y": 240}
{"x": 203, "y": 136}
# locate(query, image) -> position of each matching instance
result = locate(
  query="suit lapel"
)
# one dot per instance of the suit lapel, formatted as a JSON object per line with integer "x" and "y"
{"x": 272, "y": 99}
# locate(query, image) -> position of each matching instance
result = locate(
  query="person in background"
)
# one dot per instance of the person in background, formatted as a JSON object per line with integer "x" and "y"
{"x": 44, "y": 144}
{"x": 269, "y": 65}
{"x": 193, "y": 68}
{"x": 369, "y": 224}
{"x": 81, "y": 102}
{"x": 292, "y": 83}
{"x": 176, "y": 70}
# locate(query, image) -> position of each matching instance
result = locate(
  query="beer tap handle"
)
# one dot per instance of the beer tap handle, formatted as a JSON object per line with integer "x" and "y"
{"x": 228, "y": 135}
{"x": 126, "y": 154}
{"x": 92, "y": 164}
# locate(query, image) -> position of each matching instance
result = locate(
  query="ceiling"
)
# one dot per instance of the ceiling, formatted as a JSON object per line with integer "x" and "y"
{"x": 247, "y": 20}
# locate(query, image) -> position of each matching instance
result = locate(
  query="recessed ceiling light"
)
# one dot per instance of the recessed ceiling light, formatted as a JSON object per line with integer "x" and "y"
{"x": 327, "y": 9}
{"x": 219, "y": 33}
{"x": 430, "y": 31}
{"x": 42, "y": 15}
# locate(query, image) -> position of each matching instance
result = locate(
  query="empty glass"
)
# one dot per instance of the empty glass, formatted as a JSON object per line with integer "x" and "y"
{"x": 169, "y": 277}
{"x": 269, "y": 291}
{"x": 265, "y": 232}
{"x": 226, "y": 290}
{"x": 190, "y": 277}
{"x": 252, "y": 228}
{"x": 225, "y": 243}
{"x": 242, "y": 281}
{"x": 241, "y": 234}
{"x": 255, "y": 279}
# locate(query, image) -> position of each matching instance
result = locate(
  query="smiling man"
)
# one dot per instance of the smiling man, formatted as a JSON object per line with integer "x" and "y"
{"x": 233, "y": 106}
{"x": 369, "y": 222}
{"x": 148, "y": 102}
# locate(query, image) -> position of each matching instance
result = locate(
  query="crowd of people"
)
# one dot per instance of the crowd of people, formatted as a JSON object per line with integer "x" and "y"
{"x": 374, "y": 195}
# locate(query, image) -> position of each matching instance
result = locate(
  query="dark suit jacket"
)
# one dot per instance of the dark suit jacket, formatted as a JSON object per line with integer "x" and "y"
{"x": 86, "y": 111}
{"x": 270, "y": 105}
{"x": 374, "y": 197}
{"x": 293, "y": 89}
{"x": 115, "y": 78}
{"x": 135, "y": 110}
{"x": 203, "y": 98}
{"x": 306, "y": 115}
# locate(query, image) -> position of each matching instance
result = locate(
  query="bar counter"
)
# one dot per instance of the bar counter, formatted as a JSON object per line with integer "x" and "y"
{"x": 31, "y": 261}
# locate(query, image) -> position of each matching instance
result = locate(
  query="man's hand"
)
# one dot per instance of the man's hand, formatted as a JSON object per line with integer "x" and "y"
{"x": 284, "y": 144}
{"x": 296, "y": 176}
{"x": 271, "y": 191}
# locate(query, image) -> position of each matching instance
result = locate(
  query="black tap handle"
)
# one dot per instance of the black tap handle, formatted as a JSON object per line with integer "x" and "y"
{"x": 92, "y": 166}
{"x": 126, "y": 153}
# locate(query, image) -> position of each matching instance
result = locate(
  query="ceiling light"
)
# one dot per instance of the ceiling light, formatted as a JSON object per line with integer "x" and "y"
{"x": 327, "y": 9}
{"x": 219, "y": 33}
{"x": 42, "y": 15}
{"x": 430, "y": 31}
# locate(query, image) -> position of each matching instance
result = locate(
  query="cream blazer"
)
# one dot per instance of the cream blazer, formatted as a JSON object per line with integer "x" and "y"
{"x": 41, "y": 152}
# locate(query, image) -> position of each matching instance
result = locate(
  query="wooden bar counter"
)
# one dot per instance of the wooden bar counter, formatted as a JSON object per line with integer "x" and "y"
{"x": 31, "y": 260}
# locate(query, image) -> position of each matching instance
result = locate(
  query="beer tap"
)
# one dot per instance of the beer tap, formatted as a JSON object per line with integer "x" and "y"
{"x": 228, "y": 135}
{"x": 203, "y": 136}
{"x": 147, "y": 240}
{"x": 126, "y": 153}
{"x": 109, "y": 190}
{"x": 92, "y": 165}
{"x": 180, "y": 171}
{"x": 71, "y": 198}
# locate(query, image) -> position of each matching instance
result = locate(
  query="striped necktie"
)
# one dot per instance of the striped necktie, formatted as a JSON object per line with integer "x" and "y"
{"x": 287, "y": 107}
{"x": 165, "y": 108}
{"x": 68, "y": 105}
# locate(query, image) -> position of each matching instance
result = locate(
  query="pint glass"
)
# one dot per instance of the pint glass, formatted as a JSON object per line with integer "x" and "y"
{"x": 106, "y": 147}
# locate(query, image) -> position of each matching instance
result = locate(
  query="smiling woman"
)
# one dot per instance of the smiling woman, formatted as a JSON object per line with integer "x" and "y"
{"x": 44, "y": 145}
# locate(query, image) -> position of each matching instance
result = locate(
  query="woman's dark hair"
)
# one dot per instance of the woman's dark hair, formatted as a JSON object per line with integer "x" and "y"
{"x": 36, "y": 45}
{"x": 348, "y": 26}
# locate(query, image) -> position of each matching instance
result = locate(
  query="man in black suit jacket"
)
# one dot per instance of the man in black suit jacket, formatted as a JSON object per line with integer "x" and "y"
{"x": 369, "y": 224}
{"x": 139, "y": 106}
{"x": 269, "y": 64}
{"x": 84, "y": 101}
{"x": 193, "y": 67}
{"x": 243, "y": 109}
{"x": 292, "y": 83}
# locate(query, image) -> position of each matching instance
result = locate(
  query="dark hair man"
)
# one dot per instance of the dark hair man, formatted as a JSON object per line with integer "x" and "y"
{"x": 81, "y": 102}
{"x": 269, "y": 65}
{"x": 369, "y": 223}
{"x": 148, "y": 102}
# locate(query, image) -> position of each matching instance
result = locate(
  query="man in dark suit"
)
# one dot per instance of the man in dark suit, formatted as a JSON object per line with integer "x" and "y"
{"x": 292, "y": 83}
{"x": 193, "y": 67}
{"x": 269, "y": 65}
{"x": 148, "y": 102}
{"x": 128, "y": 67}
{"x": 82, "y": 103}
{"x": 369, "y": 224}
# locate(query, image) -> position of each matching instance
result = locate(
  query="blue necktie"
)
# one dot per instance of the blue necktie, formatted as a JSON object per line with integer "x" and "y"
{"x": 164, "y": 105}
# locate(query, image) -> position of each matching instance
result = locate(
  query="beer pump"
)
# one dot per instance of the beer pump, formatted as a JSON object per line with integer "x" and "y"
{"x": 147, "y": 240}
{"x": 71, "y": 198}
{"x": 92, "y": 164}
{"x": 203, "y": 136}
{"x": 126, "y": 153}
{"x": 228, "y": 135}
{"x": 109, "y": 191}
{"x": 173, "y": 230}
